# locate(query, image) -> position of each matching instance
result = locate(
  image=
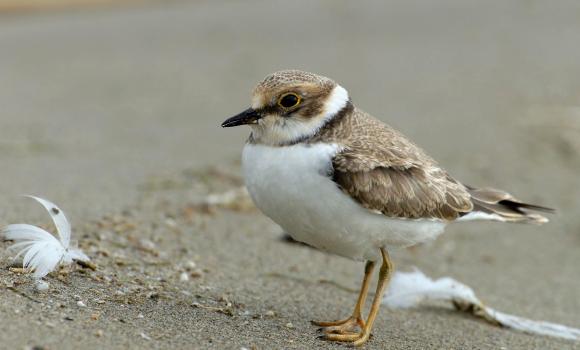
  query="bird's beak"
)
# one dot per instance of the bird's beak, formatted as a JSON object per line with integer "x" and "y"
{"x": 249, "y": 116}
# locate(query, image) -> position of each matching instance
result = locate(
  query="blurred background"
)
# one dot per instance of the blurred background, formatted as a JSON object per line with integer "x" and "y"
{"x": 99, "y": 97}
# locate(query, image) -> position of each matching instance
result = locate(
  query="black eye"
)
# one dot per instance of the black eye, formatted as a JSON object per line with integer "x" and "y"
{"x": 289, "y": 100}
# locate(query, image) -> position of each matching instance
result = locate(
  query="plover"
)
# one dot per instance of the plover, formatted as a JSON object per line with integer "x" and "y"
{"x": 336, "y": 178}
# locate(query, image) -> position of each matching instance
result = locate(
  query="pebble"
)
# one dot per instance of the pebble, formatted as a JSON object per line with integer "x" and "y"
{"x": 80, "y": 303}
{"x": 184, "y": 277}
{"x": 289, "y": 325}
{"x": 170, "y": 223}
{"x": 99, "y": 333}
{"x": 196, "y": 273}
{"x": 270, "y": 313}
{"x": 145, "y": 336}
{"x": 41, "y": 285}
{"x": 147, "y": 244}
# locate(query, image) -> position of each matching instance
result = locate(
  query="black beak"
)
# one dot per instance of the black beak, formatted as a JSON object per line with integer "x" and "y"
{"x": 249, "y": 116}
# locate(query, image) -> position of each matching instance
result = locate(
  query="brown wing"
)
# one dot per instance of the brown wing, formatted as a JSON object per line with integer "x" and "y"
{"x": 406, "y": 193}
{"x": 384, "y": 171}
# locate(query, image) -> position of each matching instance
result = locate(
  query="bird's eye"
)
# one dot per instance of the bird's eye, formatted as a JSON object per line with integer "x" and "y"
{"x": 289, "y": 100}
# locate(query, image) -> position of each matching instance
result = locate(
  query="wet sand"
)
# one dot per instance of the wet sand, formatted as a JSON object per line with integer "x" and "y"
{"x": 114, "y": 115}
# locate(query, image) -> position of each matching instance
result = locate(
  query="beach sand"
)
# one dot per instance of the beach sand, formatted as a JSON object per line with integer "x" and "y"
{"x": 114, "y": 115}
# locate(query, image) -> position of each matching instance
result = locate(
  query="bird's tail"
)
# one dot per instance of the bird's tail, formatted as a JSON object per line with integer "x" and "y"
{"x": 492, "y": 204}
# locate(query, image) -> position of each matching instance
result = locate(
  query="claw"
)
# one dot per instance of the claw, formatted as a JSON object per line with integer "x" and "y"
{"x": 350, "y": 337}
{"x": 356, "y": 339}
{"x": 341, "y": 327}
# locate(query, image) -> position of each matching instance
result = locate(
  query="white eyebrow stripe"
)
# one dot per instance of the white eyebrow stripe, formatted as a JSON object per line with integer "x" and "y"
{"x": 335, "y": 102}
{"x": 257, "y": 102}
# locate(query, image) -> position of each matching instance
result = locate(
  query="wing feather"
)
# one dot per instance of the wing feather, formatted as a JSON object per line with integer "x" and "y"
{"x": 384, "y": 171}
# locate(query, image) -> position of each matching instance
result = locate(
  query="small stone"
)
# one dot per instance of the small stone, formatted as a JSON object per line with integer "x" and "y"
{"x": 289, "y": 325}
{"x": 270, "y": 313}
{"x": 80, "y": 303}
{"x": 147, "y": 244}
{"x": 140, "y": 316}
{"x": 196, "y": 273}
{"x": 171, "y": 223}
{"x": 190, "y": 265}
{"x": 184, "y": 277}
{"x": 145, "y": 336}
{"x": 41, "y": 285}
{"x": 95, "y": 316}
{"x": 99, "y": 333}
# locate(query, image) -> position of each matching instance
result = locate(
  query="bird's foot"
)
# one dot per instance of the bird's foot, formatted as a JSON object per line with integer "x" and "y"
{"x": 346, "y": 326}
{"x": 357, "y": 339}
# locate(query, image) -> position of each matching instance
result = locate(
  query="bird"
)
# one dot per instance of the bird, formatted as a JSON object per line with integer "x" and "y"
{"x": 342, "y": 181}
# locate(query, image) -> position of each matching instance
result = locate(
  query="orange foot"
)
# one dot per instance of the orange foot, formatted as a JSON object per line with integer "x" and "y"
{"x": 357, "y": 339}
{"x": 346, "y": 326}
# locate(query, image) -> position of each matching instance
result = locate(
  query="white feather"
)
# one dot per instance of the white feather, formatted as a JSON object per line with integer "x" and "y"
{"x": 478, "y": 215}
{"x": 75, "y": 254}
{"x": 60, "y": 221}
{"x": 42, "y": 251}
{"x": 408, "y": 289}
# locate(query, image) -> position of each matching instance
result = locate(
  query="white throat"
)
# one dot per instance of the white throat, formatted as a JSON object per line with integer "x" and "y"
{"x": 288, "y": 130}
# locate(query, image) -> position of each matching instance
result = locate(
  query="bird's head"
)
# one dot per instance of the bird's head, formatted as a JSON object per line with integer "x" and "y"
{"x": 291, "y": 105}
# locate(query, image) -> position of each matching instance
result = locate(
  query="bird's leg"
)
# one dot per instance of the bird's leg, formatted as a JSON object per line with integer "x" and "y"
{"x": 384, "y": 277}
{"x": 349, "y": 324}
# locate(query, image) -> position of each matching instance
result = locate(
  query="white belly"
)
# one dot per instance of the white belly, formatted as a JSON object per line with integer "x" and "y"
{"x": 291, "y": 185}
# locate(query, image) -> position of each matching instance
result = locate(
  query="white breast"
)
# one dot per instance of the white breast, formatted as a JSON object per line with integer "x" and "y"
{"x": 291, "y": 185}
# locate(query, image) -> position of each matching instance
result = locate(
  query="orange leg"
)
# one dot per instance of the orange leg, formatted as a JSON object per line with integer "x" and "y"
{"x": 359, "y": 339}
{"x": 349, "y": 324}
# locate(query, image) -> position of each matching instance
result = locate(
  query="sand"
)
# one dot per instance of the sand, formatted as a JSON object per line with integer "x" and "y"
{"x": 114, "y": 115}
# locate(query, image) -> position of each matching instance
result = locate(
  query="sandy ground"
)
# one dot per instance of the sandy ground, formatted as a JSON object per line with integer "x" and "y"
{"x": 114, "y": 115}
